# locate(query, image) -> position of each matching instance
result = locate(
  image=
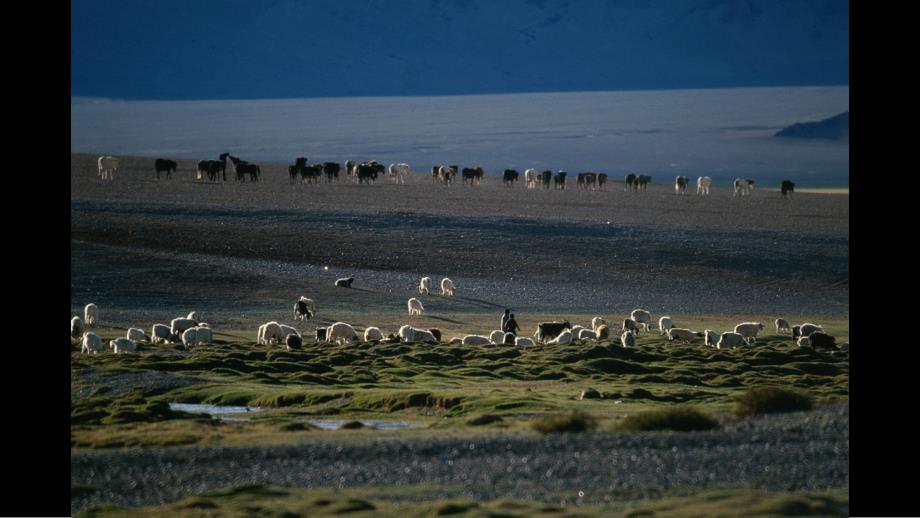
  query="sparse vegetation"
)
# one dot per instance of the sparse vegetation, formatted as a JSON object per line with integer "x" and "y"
{"x": 678, "y": 419}
{"x": 768, "y": 400}
{"x": 574, "y": 422}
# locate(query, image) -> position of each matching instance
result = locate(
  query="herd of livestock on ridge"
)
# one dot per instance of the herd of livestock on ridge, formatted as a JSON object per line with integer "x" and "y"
{"x": 369, "y": 171}
{"x": 191, "y": 331}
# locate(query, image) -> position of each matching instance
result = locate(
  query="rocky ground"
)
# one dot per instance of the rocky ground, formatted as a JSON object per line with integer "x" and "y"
{"x": 786, "y": 452}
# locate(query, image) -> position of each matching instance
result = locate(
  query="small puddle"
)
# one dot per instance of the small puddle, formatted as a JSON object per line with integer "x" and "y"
{"x": 215, "y": 410}
{"x": 335, "y": 424}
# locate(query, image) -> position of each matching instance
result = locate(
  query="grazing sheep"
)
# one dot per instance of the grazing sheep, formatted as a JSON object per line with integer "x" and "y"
{"x": 76, "y": 327}
{"x": 702, "y": 185}
{"x": 818, "y": 340}
{"x": 202, "y": 335}
{"x": 447, "y": 287}
{"x": 577, "y": 329}
{"x": 415, "y": 306}
{"x": 597, "y": 321}
{"x": 137, "y": 335}
{"x": 587, "y": 334}
{"x": 497, "y": 336}
{"x": 193, "y": 316}
{"x": 345, "y": 282}
{"x": 179, "y": 325}
{"x": 664, "y": 323}
{"x": 372, "y": 334}
{"x": 425, "y": 286}
{"x": 476, "y": 340}
{"x": 781, "y": 325}
{"x": 524, "y": 342}
{"x": 630, "y": 325}
{"x": 749, "y": 330}
{"x": 679, "y": 333}
{"x": 341, "y": 333}
{"x": 90, "y": 314}
{"x": 160, "y": 333}
{"x": 627, "y": 339}
{"x": 269, "y": 332}
{"x": 730, "y": 340}
{"x": 190, "y": 336}
{"x": 565, "y": 337}
{"x": 805, "y": 330}
{"x": 411, "y": 334}
{"x": 549, "y": 330}
{"x": 287, "y": 330}
{"x": 292, "y": 341}
{"x": 92, "y": 344}
{"x": 603, "y": 332}
{"x": 122, "y": 345}
{"x": 641, "y": 316}
{"x": 710, "y": 337}
{"x": 435, "y": 332}
{"x": 508, "y": 339}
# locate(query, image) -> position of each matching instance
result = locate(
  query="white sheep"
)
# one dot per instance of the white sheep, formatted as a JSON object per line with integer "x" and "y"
{"x": 597, "y": 321}
{"x": 372, "y": 334}
{"x": 808, "y": 329}
{"x": 782, "y": 325}
{"x": 630, "y": 325}
{"x": 204, "y": 324}
{"x": 288, "y": 330}
{"x": 476, "y": 340}
{"x": 587, "y": 334}
{"x": 410, "y": 334}
{"x": 565, "y": 337}
{"x": 702, "y": 185}
{"x": 190, "y": 336}
{"x": 497, "y": 337}
{"x": 92, "y": 344}
{"x": 679, "y": 333}
{"x": 729, "y": 340}
{"x": 577, "y": 329}
{"x": 160, "y": 333}
{"x": 523, "y": 341}
{"x": 425, "y": 286}
{"x": 627, "y": 339}
{"x": 710, "y": 337}
{"x": 415, "y": 306}
{"x": 664, "y": 323}
{"x": 749, "y": 330}
{"x": 137, "y": 335}
{"x": 193, "y": 316}
{"x": 270, "y": 332}
{"x": 341, "y": 333}
{"x": 641, "y": 316}
{"x": 447, "y": 287}
{"x": 76, "y": 327}
{"x": 202, "y": 335}
{"x": 180, "y": 324}
{"x": 90, "y": 314}
{"x": 122, "y": 345}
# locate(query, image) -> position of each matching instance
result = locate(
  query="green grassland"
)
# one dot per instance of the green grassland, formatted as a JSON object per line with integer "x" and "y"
{"x": 438, "y": 388}
{"x": 398, "y": 502}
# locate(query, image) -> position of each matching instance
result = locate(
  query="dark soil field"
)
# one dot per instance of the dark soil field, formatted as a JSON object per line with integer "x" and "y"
{"x": 146, "y": 251}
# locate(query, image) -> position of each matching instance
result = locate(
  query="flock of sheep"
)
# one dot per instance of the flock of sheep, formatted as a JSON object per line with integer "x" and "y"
{"x": 191, "y": 331}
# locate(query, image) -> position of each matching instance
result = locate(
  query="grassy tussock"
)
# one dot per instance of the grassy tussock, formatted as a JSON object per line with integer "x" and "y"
{"x": 768, "y": 400}
{"x": 678, "y": 419}
{"x": 574, "y": 422}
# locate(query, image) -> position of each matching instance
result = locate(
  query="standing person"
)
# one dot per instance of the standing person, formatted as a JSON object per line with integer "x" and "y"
{"x": 505, "y": 318}
{"x": 511, "y": 326}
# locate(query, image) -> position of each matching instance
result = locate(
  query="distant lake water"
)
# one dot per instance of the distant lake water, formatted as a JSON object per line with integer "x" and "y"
{"x": 718, "y": 132}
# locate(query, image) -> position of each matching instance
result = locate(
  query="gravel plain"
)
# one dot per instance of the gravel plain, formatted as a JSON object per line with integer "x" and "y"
{"x": 783, "y": 452}
{"x": 141, "y": 248}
